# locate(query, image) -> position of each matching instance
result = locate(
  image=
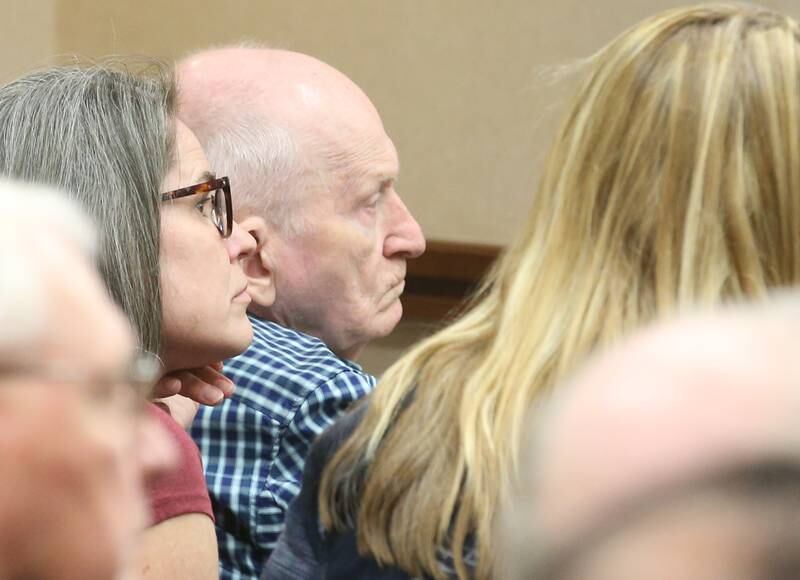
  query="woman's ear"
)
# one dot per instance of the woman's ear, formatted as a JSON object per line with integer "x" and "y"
{"x": 257, "y": 266}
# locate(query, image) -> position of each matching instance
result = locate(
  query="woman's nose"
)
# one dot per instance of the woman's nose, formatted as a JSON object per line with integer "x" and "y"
{"x": 240, "y": 243}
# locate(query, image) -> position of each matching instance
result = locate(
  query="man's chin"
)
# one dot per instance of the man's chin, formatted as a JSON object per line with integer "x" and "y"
{"x": 388, "y": 318}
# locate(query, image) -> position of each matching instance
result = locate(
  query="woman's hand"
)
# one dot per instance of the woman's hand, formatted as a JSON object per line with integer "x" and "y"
{"x": 181, "y": 409}
{"x": 180, "y": 393}
{"x": 206, "y": 385}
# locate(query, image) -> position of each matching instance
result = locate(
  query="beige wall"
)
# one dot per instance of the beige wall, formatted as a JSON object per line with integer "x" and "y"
{"x": 458, "y": 82}
{"x": 381, "y": 353}
{"x": 455, "y": 80}
{"x": 29, "y": 36}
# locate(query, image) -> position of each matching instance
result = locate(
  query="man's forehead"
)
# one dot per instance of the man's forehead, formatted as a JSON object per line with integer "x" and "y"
{"x": 373, "y": 158}
{"x": 379, "y": 163}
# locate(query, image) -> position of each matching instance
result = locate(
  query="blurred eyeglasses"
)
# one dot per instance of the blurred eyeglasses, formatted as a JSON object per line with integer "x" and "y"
{"x": 124, "y": 391}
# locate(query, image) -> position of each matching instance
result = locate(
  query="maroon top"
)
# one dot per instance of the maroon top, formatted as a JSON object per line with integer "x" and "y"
{"x": 182, "y": 490}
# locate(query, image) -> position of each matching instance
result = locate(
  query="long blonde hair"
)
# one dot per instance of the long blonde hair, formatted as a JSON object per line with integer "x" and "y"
{"x": 674, "y": 180}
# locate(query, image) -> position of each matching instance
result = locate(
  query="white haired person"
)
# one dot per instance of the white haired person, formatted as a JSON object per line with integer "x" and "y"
{"x": 76, "y": 444}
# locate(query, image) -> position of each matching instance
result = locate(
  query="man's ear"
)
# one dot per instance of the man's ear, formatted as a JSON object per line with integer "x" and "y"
{"x": 257, "y": 266}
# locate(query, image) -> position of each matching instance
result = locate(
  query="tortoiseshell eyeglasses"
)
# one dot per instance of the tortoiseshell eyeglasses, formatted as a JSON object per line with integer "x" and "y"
{"x": 217, "y": 206}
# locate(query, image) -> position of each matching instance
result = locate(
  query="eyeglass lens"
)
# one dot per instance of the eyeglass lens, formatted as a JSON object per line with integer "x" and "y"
{"x": 220, "y": 211}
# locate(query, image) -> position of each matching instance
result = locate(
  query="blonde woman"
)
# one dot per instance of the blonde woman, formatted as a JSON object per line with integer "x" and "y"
{"x": 674, "y": 180}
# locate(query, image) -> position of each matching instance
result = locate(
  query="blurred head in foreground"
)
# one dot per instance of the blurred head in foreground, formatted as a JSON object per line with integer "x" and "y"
{"x": 670, "y": 404}
{"x": 74, "y": 444}
{"x": 741, "y": 522}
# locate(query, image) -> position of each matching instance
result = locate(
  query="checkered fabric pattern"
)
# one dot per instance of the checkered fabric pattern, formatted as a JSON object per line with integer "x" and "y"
{"x": 289, "y": 388}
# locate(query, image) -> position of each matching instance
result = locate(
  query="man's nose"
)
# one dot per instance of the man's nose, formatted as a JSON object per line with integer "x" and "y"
{"x": 404, "y": 236}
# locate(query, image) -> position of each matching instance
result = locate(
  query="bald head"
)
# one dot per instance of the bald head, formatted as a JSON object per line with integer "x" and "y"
{"x": 276, "y": 121}
{"x": 672, "y": 401}
{"x": 296, "y": 90}
{"x": 740, "y": 522}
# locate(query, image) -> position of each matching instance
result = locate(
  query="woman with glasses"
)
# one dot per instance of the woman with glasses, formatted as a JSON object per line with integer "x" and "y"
{"x": 170, "y": 251}
{"x": 672, "y": 183}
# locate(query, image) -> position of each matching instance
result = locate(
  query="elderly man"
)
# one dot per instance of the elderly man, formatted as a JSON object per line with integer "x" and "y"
{"x": 74, "y": 445}
{"x": 314, "y": 174}
{"x": 672, "y": 404}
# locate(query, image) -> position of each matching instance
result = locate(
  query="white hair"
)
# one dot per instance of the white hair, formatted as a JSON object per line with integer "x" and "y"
{"x": 270, "y": 172}
{"x": 33, "y": 219}
{"x": 264, "y": 163}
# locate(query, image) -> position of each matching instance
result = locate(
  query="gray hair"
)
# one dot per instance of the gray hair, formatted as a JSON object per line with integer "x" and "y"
{"x": 264, "y": 162}
{"x": 31, "y": 210}
{"x": 105, "y": 136}
{"x": 269, "y": 171}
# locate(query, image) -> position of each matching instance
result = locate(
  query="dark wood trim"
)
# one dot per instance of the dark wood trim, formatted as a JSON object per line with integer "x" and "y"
{"x": 438, "y": 281}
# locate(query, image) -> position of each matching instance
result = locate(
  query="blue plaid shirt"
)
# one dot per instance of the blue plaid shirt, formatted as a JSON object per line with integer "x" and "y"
{"x": 289, "y": 388}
